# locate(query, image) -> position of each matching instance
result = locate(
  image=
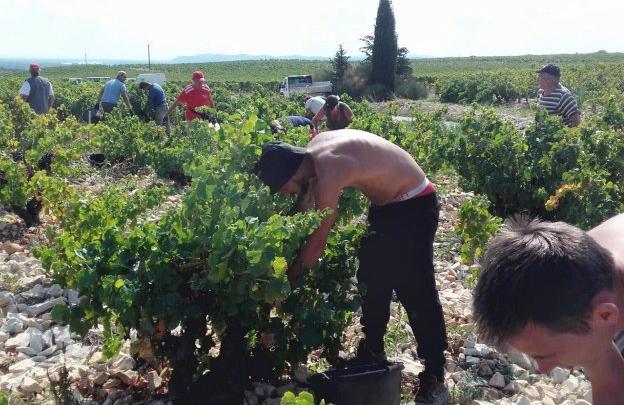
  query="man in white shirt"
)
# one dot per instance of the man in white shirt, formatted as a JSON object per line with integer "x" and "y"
{"x": 37, "y": 91}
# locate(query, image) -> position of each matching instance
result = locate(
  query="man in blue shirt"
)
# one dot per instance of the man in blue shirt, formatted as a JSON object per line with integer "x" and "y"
{"x": 281, "y": 124}
{"x": 157, "y": 101}
{"x": 109, "y": 95}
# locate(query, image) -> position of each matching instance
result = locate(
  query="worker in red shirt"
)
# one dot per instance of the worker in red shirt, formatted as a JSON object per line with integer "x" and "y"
{"x": 194, "y": 95}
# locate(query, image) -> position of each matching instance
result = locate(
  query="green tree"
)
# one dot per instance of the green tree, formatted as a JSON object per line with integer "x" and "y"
{"x": 404, "y": 67}
{"x": 385, "y": 49}
{"x": 340, "y": 64}
{"x": 367, "y": 48}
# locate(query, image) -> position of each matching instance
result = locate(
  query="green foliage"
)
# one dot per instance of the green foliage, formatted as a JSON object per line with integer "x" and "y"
{"x": 403, "y": 68}
{"x": 304, "y": 398}
{"x": 476, "y": 227}
{"x": 550, "y": 170}
{"x": 411, "y": 88}
{"x": 222, "y": 255}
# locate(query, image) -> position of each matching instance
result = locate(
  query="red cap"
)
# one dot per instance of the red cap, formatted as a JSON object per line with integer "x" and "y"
{"x": 198, "y": 75}
{"x": 34, "y": 66}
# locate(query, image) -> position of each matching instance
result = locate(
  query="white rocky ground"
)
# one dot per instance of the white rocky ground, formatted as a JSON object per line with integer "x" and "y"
{"x": 33, "y": 349}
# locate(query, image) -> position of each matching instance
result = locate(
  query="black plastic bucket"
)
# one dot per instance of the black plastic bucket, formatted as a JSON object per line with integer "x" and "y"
{"x": 91, "y": 116}
{"x": 378, "y": 384}
{"x": 96, "y": 159}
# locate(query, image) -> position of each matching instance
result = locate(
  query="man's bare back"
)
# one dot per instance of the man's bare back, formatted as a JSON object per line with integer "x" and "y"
{"x": 369, "y": 163}
{"x": 610, "y": 235}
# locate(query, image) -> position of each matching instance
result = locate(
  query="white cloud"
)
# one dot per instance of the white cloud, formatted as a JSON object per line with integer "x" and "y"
{"x": 119, "y": 29}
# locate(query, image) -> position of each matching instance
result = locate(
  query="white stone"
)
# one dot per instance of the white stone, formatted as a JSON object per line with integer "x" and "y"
{"x": 587, "y": 396}
{"x": 127, "y": 376}
{"x": 30, "y": 386}
{"x": 55, "y": 291}
{"x": 124, "y": 362}
{"x": 521, "y": 400}
{"x": 37, "y": 292}
{"x": 28, "y": 351}
{"x": 36, "y": 339}
{"x": 6, "y": 298}
{"x": 77, "y": 352}
{"x": 35, "y": 310}
{"x": 23, "y": 339}
{"x": 520, "y": 359}
{"x": 263, "y": 389}
{"x": 17, "y": 268}
{"x": 513, "y": 387}
{"x": 10, "y": 248}
{"x": 19, "y": 257}
{"x": 581, "y": 402}
{"x": 559, "y": 375}
{"x": 111, "y": 383}
{"x": 13, "y": 325}
{"x": 61, "y": 335}
{"x": 533, "y": 393}
{"x": 49, "y": 351}
{"x": 72, "y": 297}
{"x": 570, "y": 385}
{"x": 485, "y": 370}
{"x": 21, "y": 366}
{"x": 101, "y": 378}
{"x": 497, "y": 380}
{"x": 519, "y": 372}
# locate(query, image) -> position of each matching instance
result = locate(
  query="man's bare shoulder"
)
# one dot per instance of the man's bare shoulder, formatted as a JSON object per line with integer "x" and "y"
{"x": 610, "y": 235}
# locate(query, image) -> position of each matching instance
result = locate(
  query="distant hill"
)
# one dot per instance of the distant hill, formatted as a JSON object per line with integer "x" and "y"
{"x": 217, "y": 57}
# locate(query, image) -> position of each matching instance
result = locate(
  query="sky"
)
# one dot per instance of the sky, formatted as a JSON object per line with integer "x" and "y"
{"x": 112, "y": 29}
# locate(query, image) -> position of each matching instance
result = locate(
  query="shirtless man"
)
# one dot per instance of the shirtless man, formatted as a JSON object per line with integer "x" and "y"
{"x": 398, "y": 252}
{"x": 556, "y": 293}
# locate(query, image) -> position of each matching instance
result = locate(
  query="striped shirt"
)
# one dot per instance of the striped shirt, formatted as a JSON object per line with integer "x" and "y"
{"x": 560, "y": 101}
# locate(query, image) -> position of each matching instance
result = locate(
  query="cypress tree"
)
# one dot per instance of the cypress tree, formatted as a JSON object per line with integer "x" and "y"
{"x": 385, "y": 49}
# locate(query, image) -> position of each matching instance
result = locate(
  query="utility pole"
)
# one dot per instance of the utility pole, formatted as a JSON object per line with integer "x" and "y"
{"x": 149, "y": 61}
{"x": 85, "y": 59}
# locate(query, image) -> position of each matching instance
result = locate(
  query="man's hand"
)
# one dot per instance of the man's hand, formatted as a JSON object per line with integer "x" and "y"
{"x": 305, "y": 201}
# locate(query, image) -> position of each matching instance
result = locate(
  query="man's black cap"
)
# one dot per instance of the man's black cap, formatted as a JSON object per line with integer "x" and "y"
{"x": 278, "y": 163}
{"x": 550, "y": 69}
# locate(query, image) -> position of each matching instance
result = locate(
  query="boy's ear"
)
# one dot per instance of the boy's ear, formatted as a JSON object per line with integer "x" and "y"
{"x": 606, "y": 314}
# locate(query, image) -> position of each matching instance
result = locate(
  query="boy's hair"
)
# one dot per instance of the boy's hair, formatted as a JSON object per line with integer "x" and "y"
{"x": 544, "y": 272}
{"x": 143, "y": 85}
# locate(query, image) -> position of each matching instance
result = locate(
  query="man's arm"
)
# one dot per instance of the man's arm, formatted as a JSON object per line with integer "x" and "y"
{"x": 348, "y": 114}
{"x": 126, "y": 100}
{"x": 211, "y": 103}
{"x": 173, "y": 107}
{"x": 51, "y": 96}
{"x": 318, "y": 117}
{"x": 24, "y": 91}
{"x": 326, "y": 195}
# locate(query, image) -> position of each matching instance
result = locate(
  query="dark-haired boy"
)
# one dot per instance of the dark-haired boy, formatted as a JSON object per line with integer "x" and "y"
{"x": 556, "y": 293}
{"x": 398, "y": 252}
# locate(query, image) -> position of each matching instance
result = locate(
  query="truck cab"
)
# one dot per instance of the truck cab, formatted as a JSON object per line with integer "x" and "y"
{"x": 303, "y": 84}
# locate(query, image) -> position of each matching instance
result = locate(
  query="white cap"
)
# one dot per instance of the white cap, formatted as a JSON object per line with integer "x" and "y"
{"x": 315, "y": 104}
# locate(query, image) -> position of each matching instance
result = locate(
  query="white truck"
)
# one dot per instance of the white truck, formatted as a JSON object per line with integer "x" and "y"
{"x": 303, "y": 84}
{"x": 158, "y": 78}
